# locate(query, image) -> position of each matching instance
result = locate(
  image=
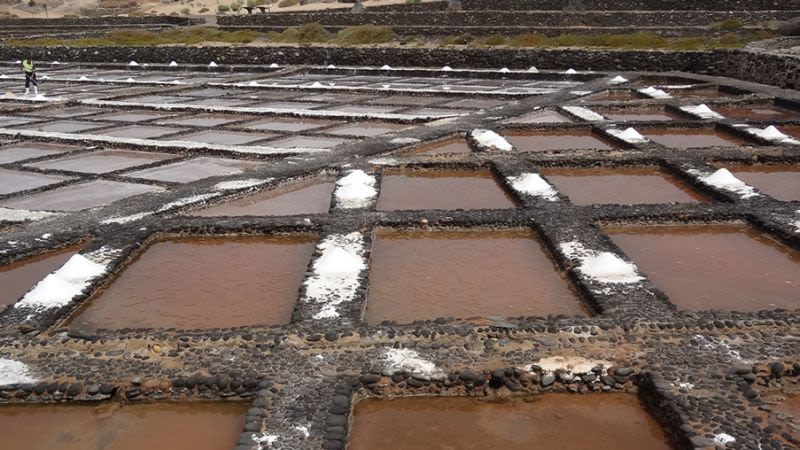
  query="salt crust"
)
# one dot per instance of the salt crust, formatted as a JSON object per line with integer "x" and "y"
{"x": 584, "y": 113}
{"x": 491, "y": 140}
{"x": 655, "y": 93}
{"x": 166, "y": 207}
{"x": 356, "y": 190}
{"x": 629, "y": 135}
{"x": 702, "y": 111}
{"x": 399, "y": 359}
{"x": 723, "y": 439}
{"x": 336, "y": 273}
{"x": 772, "y": 134}
{"x": 68, "y": 282}
{"x": 240, "y": 184}
{"x": 603, "y": 267}
{"x": 21, "y": 215}
{"x": 572, "y": 364}
{"x": 619, "y": 79}
{"x": 533, "y": 184}
{"x": 14, "y": 372}
{"x": 724, "y": 179}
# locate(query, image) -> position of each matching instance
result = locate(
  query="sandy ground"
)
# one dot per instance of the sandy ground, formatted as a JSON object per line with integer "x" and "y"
{"x": 57, "y": 8}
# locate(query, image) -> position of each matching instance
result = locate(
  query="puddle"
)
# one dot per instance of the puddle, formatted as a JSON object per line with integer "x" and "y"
{"x": 612, "y": 96}
{"x": 564, "y": 421}
{"x": 365, "y": 129}
{"x": 620, "y": 185}
{"x": 356, "y": 109}
{"x": 224, "y": 137}
{"x": 141, "y": 131}
{"x": 103, "y": 161}
{"x": 638, "y": 115}
{"x": 539, "y": 117}
{"x": 312, "y": 196}
{"x": 193, "y": 170}
{"x": 686, "y": 138}
{"x": 419, "y": 189}
{"x": 66, "y": 126}
{"x": 287, "y": 125}
{"x": 125, "y": 116}
{"x": 65, "y": 113}
{"x": 204, "y": 120}
{"x": 757, "y": 112}
{"x": 204, "y": 282}
{"x": 14, "y": 181}
{"x": 475, "y": 103}
{"x": 307, "y": 142}
{"x": 407, "y": 100}
{"x": 556, "y": 140}
{"x": 455, "y": 145}
{"x": 712, "y": 92}
{"x": 420, "y": 275}
{"x": 19, "y": 277}
{"x": 730, "y": 267}
{"x": 81, "y": 196}
{"x": 781, "y": 181}
{"x": 187, "y": 426}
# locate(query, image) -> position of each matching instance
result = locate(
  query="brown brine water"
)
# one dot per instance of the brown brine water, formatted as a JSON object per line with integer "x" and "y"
{"x": 685, "y": 138}
{"x": 417, "y": 189}
{"x": 620, "y": 185}
{"x": 554, "y": 421}
{"x": 204, "y": 282}
{"x": 187, "y": 426}
{"x": 420, "y": 275}
{"x": 557, "y": 140}
{"x": 312, "y": 196}
{"x": 455, "y": 145}
{"x": 781, "y": 181}
{"x": 19, "y": 277}
{"x": 701, "y": 267}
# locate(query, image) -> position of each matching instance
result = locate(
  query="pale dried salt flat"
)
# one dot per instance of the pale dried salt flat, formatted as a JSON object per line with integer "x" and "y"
{"x": 14, "y": 372}
{"x": 335, "y": 276}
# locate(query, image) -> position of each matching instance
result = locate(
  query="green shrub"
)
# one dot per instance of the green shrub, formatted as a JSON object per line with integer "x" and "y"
{"x": 223, "y": 8}
{"x": 364, "y": 34}
{"x": 236, "y": 6}
{"x": 494, "y": 40}
{"x": 413, "y": 1}
{"x": 463, "y": 39}
{"x": 695, "y": 43}
{"x": 285, "y": 3}
{"x": 729, "y": 24}
{"x": 252, "y": 3}
{"x": 185, "y": 11}
{"x": 529, "y": 40}
{"x": 202, "y": 10}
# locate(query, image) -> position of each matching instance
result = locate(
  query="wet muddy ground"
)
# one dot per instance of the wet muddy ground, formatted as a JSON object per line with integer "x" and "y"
{"x": 627, "y": 296}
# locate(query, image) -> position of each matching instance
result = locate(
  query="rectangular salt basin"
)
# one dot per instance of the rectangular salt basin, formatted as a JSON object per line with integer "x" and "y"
{"x": 81, "y": 196}
{"x": 113, "y": 426}
{"x": 612, "y": 96}
{"x": 365, "y": 129}
{"x": 701, "y": 267}
{"x": 756, "y": 112}
{"x": 450, "y": 146}
{"x": 287, "y": 125}
{"x": 417, "y": 189}
{"x": 555, "y": 140}
{"x": 686, "y": 138}
{"x": 141, "y": 131}
{"x": 15, "y": 181}
{"x": 638, "y": 115}
{"x": 421, "y": 275}
{"x": 203, "y": 283}
{"x": 19, "y": 277}
{"x": 307, "y": 142}
{"x": 407, "y": 100}
{"x": 312, "y": 196}
{"x": 607, "y": 421}
{"x": 65, "y": 126}
{"x": 193, "y": 170}
{"x": 535, "y": 117}
{"x": 29, "y": 150}
{"x": 130, "y": 116}
{"x": 204, "y": 120}
{"x": 223, "y": 137}
{"x": 103, "y": 161}
{"x": 620, "y": 185}
{"x": 780, "y": 181}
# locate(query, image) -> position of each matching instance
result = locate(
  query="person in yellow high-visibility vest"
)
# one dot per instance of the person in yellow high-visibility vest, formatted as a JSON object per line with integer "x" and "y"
{"x": 30, "y": 76}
